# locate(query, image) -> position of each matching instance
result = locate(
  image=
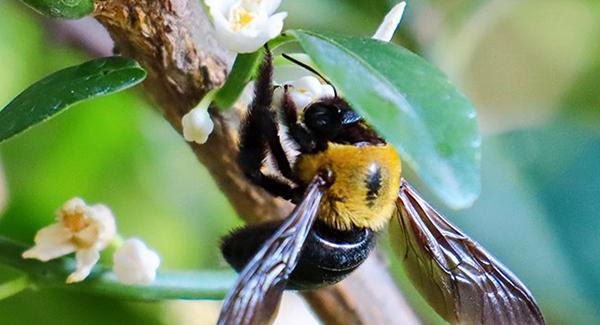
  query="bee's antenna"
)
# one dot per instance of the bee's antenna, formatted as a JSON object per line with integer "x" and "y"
{"x": 311, "y": 69}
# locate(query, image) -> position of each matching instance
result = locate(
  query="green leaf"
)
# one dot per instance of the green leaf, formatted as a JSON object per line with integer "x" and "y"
{"x": 11, "y": 282}
{"x": 69, "y": 9}
{"x": 64, "y": 88}
{"x": 241, "y": 73}
{"x": 411, "y": 103}
{"x": 167, "y": 285}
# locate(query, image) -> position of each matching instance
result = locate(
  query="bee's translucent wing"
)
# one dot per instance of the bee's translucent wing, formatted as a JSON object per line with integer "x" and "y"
{"x": 460, "y": 279}
{"x": 255, "y": 296}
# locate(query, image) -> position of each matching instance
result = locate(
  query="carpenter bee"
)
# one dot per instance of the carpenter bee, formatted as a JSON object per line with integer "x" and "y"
{"x": 346, "y": 185}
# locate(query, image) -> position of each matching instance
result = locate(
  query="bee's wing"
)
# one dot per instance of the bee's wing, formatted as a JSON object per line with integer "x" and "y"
{"x": 255, "y": 296}
{"x": 460, "y": 279}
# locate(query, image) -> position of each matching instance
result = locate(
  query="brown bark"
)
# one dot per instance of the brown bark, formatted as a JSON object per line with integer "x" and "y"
{"x": 174, "y": 41}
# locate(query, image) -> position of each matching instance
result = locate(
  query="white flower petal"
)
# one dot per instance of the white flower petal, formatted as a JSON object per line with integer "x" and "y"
{"x": 220, "y": 5}
{"x": 107, "y": 228}
{"x": 390, "y": 23}
{"x": 45, "y": 253}
{"x": 52, "y": 234}
{"x": 274, "y": 25}
{"x": 73, "y": 206}
{"x": 309, "y": 85}
{"x": 86, "y": 259}
{"x": 197, "y": 125}
{"x": 327, "y": 91}
{"x": 244, "y": 26}
{"x": 304, "y": 91}
{"x": 135, "y": 263}
{"x": 269, "y": 6}
{"x": 300, "y": 99}
{"x": 51, "y": 242}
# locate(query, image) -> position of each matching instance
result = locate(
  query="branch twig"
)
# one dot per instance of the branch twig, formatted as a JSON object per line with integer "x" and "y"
{"x": 174, "y": 41}
{"x": 168, "y": 285}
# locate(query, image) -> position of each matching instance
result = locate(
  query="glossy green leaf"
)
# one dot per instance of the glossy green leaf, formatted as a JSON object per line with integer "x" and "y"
{"x": 64, "y": 88}
{"x": 411, "y": 103}
{"x": 69, "y": 9}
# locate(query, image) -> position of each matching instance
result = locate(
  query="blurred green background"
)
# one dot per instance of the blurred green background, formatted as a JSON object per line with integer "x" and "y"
{"x": 532, "y": 68}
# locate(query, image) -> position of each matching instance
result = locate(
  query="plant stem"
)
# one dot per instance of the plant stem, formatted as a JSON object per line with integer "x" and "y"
{"x": 167, "y": 285}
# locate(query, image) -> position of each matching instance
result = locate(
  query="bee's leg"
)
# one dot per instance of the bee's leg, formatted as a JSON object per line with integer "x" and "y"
{"x": 259, "y": 133}
{"x": 306, "y": 141}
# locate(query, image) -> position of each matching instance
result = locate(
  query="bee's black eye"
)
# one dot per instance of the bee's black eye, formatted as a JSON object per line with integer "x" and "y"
{"x": 323, "y": 119}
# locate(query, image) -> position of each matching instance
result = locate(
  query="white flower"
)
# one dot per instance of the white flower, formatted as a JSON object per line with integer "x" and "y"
{"x": 243, "y": 26}
{"x": 135, "y": 263}
{"x": 304, "y": 91}
{"x": 83, "y": 229}
{"x": 390, "y": 23}
{"x": 197, "y": 125}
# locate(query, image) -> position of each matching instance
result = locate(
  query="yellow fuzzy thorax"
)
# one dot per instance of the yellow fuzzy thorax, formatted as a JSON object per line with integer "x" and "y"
{"x": 350, "y": 202}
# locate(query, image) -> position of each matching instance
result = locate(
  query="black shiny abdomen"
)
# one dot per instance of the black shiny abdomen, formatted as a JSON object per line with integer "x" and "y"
{"x": 328, "y": 255}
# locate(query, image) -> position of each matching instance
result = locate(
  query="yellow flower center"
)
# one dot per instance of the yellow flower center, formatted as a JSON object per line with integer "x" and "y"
{"x": 75, "y": 221}
{"x": 241, "y": 18}
{"x": 84, "y": 232}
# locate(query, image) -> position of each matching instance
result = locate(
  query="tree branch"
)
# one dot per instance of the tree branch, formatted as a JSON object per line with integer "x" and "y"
{"x": 174, "y": 41}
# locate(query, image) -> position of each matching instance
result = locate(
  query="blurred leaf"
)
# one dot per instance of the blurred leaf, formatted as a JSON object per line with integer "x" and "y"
{"x": 61, "y": 89}
{"x": 243, "y": 70}
{"x": 71, "y": 9}
{"x": 537, "y": 214}
{"x": 171, "y": 285}
{"x": 11, "y": 282}
{"x": 356, "y": 17}
{"x": 411, "y": 103}
{"x": 566, "y": 180}
{"x": 56, "y": 307}
{"x": 582, "y": 101}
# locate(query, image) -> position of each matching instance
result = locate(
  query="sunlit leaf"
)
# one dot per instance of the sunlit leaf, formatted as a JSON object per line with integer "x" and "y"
{"x": 71, "y": 9}
{"x": 64, "y": 88}
{"x": 410, "y": 102}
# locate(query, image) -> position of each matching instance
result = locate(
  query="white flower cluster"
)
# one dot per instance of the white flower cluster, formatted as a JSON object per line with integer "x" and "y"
{"x": 243, "y": 26}
{"x": 86, "y": 231}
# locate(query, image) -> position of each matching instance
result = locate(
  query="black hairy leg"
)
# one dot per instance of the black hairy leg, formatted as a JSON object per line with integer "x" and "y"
{"x": 306, "y": 141}
{"x": 259, "y": 134}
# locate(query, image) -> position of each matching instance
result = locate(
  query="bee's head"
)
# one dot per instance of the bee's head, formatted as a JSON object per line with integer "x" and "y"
{"x": 328, "y": 116}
